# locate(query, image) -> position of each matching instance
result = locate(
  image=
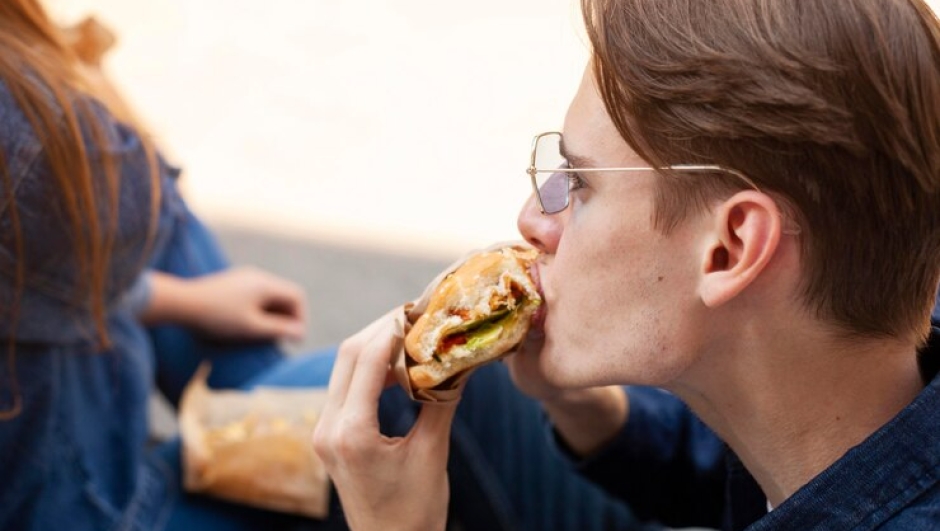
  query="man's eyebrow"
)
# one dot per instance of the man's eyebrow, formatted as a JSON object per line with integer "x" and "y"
{"x": 575, "y": 161}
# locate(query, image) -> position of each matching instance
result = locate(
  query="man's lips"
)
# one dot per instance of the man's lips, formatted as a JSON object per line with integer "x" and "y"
{"x": 538, "y": 318}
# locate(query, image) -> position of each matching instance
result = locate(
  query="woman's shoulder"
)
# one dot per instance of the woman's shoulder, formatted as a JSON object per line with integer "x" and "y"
{"x": 19, "y": 145}
{"x": 41, "y": 207}
{"x": 27, "y": 104}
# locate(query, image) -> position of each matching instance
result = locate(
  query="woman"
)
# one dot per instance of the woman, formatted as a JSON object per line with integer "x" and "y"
{"x": 88, "y": 203}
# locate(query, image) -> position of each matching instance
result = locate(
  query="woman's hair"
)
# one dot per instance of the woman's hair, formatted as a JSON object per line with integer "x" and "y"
{"x": 45, "y": 79}
{"x": 832, "y": 106}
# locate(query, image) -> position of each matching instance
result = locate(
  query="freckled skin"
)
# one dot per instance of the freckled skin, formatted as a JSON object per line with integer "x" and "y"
{"x": 609, "y": 306}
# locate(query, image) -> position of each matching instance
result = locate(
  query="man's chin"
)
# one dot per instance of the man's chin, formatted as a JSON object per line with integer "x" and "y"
{"x": 562, "y": 370}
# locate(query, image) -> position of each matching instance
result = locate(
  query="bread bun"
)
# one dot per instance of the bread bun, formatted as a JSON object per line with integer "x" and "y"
{"x": 476, "y": 314}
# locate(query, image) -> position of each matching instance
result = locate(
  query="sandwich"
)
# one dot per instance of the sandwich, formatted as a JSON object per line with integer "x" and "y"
{"x": 479, "y": 312}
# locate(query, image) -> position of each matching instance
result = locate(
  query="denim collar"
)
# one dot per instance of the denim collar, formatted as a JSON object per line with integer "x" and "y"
{"x": 881, "y": 476}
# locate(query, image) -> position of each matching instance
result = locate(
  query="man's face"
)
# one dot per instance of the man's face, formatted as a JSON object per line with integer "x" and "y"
{"x": 616, "y": 288}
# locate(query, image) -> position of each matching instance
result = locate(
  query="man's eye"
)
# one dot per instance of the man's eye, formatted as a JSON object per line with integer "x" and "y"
{"x": 575, "y": 182}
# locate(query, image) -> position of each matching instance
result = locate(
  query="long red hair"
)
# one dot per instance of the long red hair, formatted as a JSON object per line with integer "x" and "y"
{"x": 51, "y": 86}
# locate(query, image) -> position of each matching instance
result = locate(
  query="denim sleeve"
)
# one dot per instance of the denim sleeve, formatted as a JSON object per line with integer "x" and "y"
{"x": 136, "y": 299}
{"x": 665, "y": 463}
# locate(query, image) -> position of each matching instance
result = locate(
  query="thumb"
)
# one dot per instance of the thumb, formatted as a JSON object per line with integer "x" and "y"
{"x": 433, "y": 424}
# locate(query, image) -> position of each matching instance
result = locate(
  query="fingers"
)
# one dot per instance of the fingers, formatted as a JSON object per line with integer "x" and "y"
{"x": 352, "y": 409}
{"x": 350, "y": 415}
{"x": 532, "y": 342}
{"x": 381, "y": 479}
{"x": 343, "y": 367}
{"x": 284, "y": 297}
{"x": 371, "y": 372}
{"x": 527, "y": 351}
{"x": 278, "y": 326}
{"x": 348, "y": 356}
{"x": 280, "y": 308}
{"x": 281, "y": 296}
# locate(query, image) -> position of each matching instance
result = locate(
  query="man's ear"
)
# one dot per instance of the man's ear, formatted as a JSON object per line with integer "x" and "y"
{"x": 743, "y": 241}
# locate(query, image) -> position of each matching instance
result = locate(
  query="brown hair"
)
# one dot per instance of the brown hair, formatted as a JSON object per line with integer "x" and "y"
{"x": 831, "y": 106}
{"x": 44, "y": 76}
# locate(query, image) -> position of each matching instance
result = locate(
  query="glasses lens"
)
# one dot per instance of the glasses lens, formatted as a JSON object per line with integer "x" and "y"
{"x": 548, "y": 152}
{"x": 552, "y": 185}
{"x": 553, "y": 191}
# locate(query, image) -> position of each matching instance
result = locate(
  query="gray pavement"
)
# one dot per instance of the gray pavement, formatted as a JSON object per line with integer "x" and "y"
{"x": 347, "y": 287}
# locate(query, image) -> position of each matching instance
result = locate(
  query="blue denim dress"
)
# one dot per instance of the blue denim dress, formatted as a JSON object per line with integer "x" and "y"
{"x": 74, "y": 457}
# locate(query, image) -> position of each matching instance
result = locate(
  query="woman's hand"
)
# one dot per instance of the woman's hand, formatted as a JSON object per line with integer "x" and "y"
{"x": 383, "y": 482}
{"x": 237, "y": 303}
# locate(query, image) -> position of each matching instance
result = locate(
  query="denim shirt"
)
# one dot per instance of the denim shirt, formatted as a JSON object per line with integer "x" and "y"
{"x": 74, "y": 457}
{"x": 668, "y": 465}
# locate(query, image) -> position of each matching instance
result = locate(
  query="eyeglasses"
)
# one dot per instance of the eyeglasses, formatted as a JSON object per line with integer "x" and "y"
{"x": 552, "y": 175}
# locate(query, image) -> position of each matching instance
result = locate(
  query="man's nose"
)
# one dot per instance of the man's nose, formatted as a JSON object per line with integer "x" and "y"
{"x": 540, "y": 230}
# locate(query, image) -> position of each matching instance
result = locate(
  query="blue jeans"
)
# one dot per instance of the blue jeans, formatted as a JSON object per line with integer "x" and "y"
{"x": 503, "y": 472}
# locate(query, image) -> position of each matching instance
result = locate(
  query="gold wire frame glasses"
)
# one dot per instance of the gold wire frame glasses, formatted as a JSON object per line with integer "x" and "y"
{"x": 549, "y": 171}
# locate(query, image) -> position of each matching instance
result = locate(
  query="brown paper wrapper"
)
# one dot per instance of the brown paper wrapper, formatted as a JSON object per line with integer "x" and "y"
{"x": 406, "y": 315}
{"x": 253, "y": 447}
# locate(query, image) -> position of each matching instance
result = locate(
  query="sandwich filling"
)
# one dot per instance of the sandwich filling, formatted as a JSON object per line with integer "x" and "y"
{"x": 476, "y": 313}
{"x": 472, "y": 335}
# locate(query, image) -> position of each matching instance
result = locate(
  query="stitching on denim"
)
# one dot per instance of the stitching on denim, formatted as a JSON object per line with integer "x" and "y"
{"x": 901, "y": 501}
{"x": 480, "y": 467}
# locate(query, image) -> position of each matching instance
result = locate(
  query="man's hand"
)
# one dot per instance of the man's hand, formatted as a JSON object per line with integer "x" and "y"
{"x": 586, "y": 419}
{"x": 238, "y": 303}
{"x": 383, "y": 482}
{"x": 526, "y": 371}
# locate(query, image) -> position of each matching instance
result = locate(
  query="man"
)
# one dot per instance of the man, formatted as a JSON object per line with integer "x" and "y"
{"x": 749, "y": 218}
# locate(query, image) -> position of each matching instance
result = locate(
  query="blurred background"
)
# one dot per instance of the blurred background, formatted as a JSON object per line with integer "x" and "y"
{"x": 355, "y": 147}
